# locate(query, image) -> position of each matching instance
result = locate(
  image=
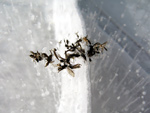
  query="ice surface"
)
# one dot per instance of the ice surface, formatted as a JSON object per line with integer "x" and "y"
{"x": 119, "y": 78}
{"x": 74, "y": 97}
{"x": 25, "y": 86}
{"x": 29, "y": 87}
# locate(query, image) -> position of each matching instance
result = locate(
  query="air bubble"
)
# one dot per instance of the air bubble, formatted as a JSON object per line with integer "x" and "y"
{"x": 23, "y": 85}
{"x": 32, "y": 17}
{"x": 116, "y": 74}
{"x": 18, "y": 96}
{"x": 32, "y": 103}
{"x": 143, "y": 102}
{"x": 142, "y": 109}
{"x": 21, "y": 110}
{"x": 38, "y": 74}
{"x": 144, "y": 93}
{"x": 136, "y": 34}
{"x": 119, "y": 40}
{"x": 137, "y": 24}
{"x": 29, "y": 31}
{"x": 21, "y": 48}
{"x": 101, "y": 19}
{"x": 39, "y": 25}
{"x": 118, "y": 98}
{"x": 121, "y": 2}
{"x": 122, "y": 50}
{"x": 137, "y": 71}
{"x": 122, "y": 15}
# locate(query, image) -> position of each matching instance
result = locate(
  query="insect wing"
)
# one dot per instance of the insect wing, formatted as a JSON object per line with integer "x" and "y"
{"x": 70, "y": 72}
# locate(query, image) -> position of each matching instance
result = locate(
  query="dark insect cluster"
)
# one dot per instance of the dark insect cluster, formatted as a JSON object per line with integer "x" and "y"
{"x": 74, "y": 50}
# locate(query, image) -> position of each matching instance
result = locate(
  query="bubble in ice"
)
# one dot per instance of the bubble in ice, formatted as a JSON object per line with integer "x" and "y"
{"x": 17, "y": 96}
{"x": 101, "y": 19}
{"x": 39, "y": 25}
{"x": 122, "y": 15}
{"x": 38, "y": 74}
{"x": 136, "y": 34}
{"x": 119, "y": 39}
{"x": 121, "y": 2}
{"x": 32, "y": 103}
{"x": 122, "y": 50}
{"x": 23, "y": 85}
{"x": 21, "y": 110}
{"x": 51, "y": 42}
{"x": 143, "y": 102}
{"x": 137, "y": 24}
{"x": 21, "y": 48}
{"x": 137, "y": 71}
{"x": 29, "y": 31}
{"x": 118, "y": 98}
{"x": 144, "y": 92}
{"x": 116, "y": 74}
{"x": 142, "y": 109}
{"x": 32, "y": 17}
{"x": 49, "y": 28}
{"x": 124, "y": 25}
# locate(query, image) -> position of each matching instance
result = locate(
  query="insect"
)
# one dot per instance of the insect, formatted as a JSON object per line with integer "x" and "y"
{"x": 99, "y": 47}
{"x": 49, "y": 59}
{"x": 75, "y": 66}
{"x": 70, "y": 71}
{"x": 86, "y": 40}
{"x": 36, "y": 56}
{"x": 64, "y": 66}
{"x": 61, "y": 67}
{"x": 54, "y": 51}
{"x": 74, "y": 50}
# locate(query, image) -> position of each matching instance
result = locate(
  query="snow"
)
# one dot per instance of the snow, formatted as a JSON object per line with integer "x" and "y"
{"x": 74, "y": 97}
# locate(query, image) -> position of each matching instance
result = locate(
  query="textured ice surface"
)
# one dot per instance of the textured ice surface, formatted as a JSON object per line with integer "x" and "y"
{"x": 25, "y": 86}
{"x": 29, "y": 87}
{"x": 119, "y": 80}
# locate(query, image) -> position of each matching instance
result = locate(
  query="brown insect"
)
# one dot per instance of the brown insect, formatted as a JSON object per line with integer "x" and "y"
{"x": 99, "y": 47}
{"x": 70, "y": 71}
{"x": 75, "y": 66}
{"x": 61, "y": 67}
{"x": 36, "y": 56}
{"x": 87, "y": 40}
{"x": 74, "y": 50}
{"x": 54, "y": 51}
{"x": 49, "y": 58}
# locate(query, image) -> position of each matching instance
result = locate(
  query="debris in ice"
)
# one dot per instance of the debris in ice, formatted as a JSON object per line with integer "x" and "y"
{"x": 74, "y": 50}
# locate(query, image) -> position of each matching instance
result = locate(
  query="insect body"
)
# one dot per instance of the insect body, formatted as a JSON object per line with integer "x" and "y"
{"x": 36, "y": 56}
{"x": 49, "y": 59}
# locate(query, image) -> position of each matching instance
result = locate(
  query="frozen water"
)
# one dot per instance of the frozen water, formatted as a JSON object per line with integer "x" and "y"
{"x": 29, "y": 87}
{"x": 117, "y": 82}
{"x": 74, "y": 97}
{"x": 121, "y": 77}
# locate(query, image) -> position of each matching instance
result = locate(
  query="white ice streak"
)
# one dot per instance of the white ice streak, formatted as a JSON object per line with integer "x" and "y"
{"x": 74, "y": 97}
